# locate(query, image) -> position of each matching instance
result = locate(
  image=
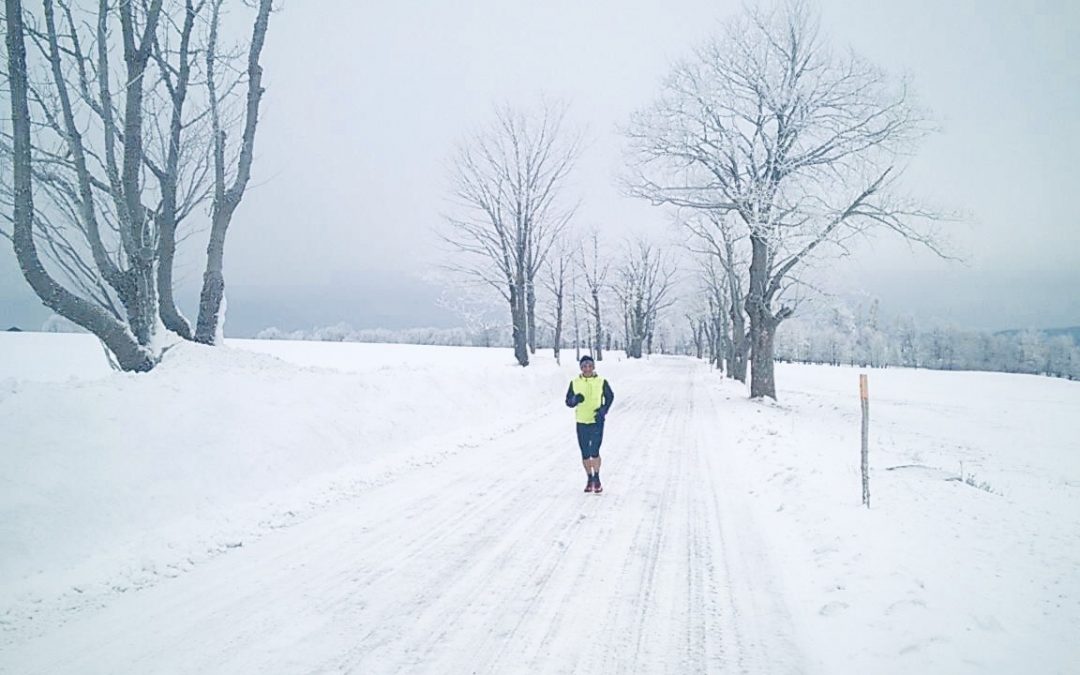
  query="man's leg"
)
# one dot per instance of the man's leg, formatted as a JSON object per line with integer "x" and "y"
{"x": 594, "y": 450}
{"x": 583, "y": 444}
{"x": 584, "y": 441}
{"x": 598, "y": 438}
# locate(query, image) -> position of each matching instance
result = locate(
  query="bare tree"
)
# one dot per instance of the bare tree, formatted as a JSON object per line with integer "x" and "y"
{"x": 226, "y": 198}
{"x": 474, "y": 305}
{"x": 802, "y": 145}
{"x": 696, "y": 324}
{"x": 108, "y": 107}
{"x": 594, "y": 272}
{"x": 715, "y": 318}
{"x": 507, "y": 180}
{"x": 111, "y": 330}
{"x": 718, "y": 237}
{"x": 576, "y": 316}
{"x": 559, "y": 267}
{"x": 644, "y": 286}
{"x": 182, "y": 170}
{"x": 110, "y": 268}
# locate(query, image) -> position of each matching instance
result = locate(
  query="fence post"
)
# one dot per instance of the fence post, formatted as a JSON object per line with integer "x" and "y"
{"x": 864, "y": 396}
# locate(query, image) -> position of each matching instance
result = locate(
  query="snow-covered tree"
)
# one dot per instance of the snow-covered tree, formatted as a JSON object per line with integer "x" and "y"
{"x": 801, "y": 143}
{"x": 474, "y": 305}
{"x": 558, "y": 278}
{"x": 1062, "y": 357}
{"x": 716, "y": 235}
{"x": 643, "y": 286}
{"x": 507, "y": 181}
{"x": 99, "y": 110}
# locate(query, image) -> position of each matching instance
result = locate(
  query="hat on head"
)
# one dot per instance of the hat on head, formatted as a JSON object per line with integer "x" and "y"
{"x": 585, "y": 358}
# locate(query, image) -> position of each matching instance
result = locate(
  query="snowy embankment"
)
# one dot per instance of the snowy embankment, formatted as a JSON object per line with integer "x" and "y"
{"x": 112, "y": 482}
{"x": 731, "y": 535}
{"x": 948, "y": 572}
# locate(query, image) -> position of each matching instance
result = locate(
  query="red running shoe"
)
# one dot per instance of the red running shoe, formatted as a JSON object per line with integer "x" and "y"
{"x": 597, "y": 487}
{"x": 588, "y": 486}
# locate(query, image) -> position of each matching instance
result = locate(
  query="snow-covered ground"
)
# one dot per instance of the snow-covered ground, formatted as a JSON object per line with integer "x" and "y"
{"x": 321, "y": 507}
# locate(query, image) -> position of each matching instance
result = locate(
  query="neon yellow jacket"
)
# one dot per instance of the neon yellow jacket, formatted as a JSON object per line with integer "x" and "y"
{"x": 598, "y": 398}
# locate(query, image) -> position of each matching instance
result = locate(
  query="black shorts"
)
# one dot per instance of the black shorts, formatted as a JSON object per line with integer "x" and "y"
{"x": 589, "y": 437}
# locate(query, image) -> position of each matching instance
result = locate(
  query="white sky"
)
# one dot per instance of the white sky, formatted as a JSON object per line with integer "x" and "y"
{"x": 365, "y": 102}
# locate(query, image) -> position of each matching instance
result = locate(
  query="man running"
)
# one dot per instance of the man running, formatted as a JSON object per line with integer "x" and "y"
{"x": 591, "y": 397}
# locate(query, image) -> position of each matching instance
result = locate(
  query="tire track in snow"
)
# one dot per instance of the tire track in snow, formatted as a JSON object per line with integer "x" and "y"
{"x": 756, "y": 623}
{"x": 633, "y": 546}
{"x": 525, "y": 528}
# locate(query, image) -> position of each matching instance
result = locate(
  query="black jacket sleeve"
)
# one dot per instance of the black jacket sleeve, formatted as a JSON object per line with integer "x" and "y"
{"x": 608, "y": 398}
{"x": 571, "y": 397}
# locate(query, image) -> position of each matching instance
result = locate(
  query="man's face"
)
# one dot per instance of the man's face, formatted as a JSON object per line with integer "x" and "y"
{"x": 587, "y": 368}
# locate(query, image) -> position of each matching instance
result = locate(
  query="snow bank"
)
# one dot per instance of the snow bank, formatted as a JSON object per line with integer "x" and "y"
{"x": 114, "y": 480}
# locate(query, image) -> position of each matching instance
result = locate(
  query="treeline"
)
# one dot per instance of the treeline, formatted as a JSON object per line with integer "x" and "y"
{"x": 839, "y": 337}
{"x": 343, "y": 332}
{"x": 484, "y": 336}
{"x": 857, "y": 338}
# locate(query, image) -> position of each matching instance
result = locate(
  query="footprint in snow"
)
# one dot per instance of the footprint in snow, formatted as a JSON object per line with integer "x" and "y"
{"x": 833, "y": 608}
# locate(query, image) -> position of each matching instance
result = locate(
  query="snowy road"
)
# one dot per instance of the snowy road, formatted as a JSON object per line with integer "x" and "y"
{"x": 491, "y": 561}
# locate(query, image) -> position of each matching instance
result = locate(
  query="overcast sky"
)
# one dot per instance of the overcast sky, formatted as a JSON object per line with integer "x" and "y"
{"x": 365, "y": 102}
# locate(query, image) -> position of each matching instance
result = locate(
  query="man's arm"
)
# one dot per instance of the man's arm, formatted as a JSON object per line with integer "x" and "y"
{"x": 607, "y": 400}
{"x": 571, "y": 397}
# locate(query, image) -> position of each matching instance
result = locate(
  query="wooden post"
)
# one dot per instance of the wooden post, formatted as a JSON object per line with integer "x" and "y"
{"x": 864, "y": 396}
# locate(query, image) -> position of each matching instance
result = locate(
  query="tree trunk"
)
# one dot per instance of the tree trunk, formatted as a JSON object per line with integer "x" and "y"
{"x": 519, "y": 327}
{"x": 558, "y": 325}
{"x": 636, "y": 336}
{"x": 142, "y": 250}
{"x": 530, "y": 298}
{"x": 226, "y": 201}
{"x": 740, "y": 344}
{"x": 144, "y": 313}
{"x": 722, "y": 348}
{"x": 170, "y": 315}
{"x": 762, "y": 380}
{"x": 762, "y": 323}
{"x": 577, "y": 339}
{"x": 598, "y": 354}
{"x": 709, "y": 328}
{"x": 697, "y": 330}
{"x": 213, "y": 288}
{"x": 626, "y": 330}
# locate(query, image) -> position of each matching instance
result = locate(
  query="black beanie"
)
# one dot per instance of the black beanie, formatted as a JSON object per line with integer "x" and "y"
{"x": 586, "y": 358}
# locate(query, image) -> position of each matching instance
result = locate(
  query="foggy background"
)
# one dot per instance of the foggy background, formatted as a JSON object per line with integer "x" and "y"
{"x": 365, "y": 104}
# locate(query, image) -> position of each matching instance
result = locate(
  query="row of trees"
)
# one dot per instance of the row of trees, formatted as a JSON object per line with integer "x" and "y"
{"x": 509, "y": 233}
{"x": 586, "y": 296}
{"x": 119, "y": 140}
{"x": 845, "y": 337}
{"x": 775, "y": 150}
{"x": 772, "y": 149}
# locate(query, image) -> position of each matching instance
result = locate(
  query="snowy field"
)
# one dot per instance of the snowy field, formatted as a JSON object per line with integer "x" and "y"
{"x": 287, "y": 507}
